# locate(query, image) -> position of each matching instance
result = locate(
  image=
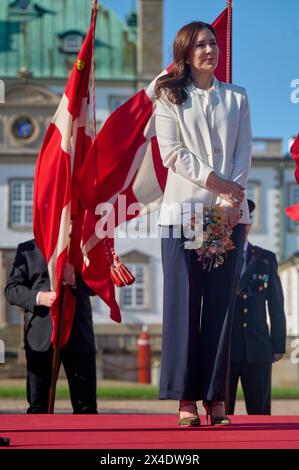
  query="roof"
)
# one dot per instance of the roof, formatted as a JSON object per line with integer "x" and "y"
{"x": 33, "y": 33}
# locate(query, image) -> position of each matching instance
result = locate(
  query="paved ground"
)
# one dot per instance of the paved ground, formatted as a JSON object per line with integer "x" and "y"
{"x": 279, "y": 407}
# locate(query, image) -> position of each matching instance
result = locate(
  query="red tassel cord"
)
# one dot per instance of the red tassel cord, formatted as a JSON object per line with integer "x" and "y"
{"x": 119, "y": 273}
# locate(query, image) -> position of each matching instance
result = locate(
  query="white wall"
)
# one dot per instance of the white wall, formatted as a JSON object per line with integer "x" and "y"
{"x": 290, "y": 281}
{"x": 102, "y": 96}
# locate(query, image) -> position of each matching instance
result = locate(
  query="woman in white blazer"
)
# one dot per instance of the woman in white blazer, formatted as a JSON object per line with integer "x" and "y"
{"x": 205, "y": 140}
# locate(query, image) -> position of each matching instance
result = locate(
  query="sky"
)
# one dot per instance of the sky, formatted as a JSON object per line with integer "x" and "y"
{"x": 265, "y": 54}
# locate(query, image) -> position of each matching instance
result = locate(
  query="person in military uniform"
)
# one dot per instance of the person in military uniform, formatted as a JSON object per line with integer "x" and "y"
{"x": 255, "y": 346}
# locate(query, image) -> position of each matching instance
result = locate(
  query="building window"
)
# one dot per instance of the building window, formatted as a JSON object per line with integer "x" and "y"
{"x": 22, "y": 4}
{"x": 254, "y": 193}
{"x": 21, "y": 192}
{"x": 116, "y": 101}
{"x": 72, "y": 43}
{"x": 134, "y": 296}
{"x": 293, "y": 198}
{"x": 259, "y": 146}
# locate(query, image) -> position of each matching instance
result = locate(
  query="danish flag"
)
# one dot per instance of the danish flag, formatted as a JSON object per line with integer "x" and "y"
{"x": 56, "y": 204}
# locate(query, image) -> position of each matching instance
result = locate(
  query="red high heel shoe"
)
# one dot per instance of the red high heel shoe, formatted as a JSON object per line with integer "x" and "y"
{"x": 193, "y": 419}
{"x": 216, "y": 411}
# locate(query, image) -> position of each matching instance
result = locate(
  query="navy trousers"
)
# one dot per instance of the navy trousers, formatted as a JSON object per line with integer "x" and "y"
{"x": 256, "y": 384}
{"x": 198, "y": 310}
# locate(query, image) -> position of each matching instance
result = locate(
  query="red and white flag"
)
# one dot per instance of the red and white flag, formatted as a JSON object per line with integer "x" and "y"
{"x": 293, "y": 211}
{"x": 125, "y": 160}
{"x": 56, "y": 202}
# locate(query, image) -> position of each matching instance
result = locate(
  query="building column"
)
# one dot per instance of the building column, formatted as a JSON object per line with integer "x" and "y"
{"x": 149, "y": 41}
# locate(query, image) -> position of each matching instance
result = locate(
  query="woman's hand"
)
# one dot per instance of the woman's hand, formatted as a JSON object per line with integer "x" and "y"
{"x": 230, "y": 191}
{"x": 233, "y": 215}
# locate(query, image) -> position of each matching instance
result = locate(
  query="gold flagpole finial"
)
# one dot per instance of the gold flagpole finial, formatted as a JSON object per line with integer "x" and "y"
{"x": 95, "y": 5}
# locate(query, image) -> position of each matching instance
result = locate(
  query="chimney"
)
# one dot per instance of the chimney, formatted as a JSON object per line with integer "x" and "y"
{"x": 149, "y": 41}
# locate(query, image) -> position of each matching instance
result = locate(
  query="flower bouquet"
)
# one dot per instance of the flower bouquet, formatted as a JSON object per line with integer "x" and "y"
{"x": 215, "y": 239}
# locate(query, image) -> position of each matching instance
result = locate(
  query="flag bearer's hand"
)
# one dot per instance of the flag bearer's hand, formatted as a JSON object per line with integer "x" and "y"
{"x": 46, "y": 298}
{"x": 68, "y": 275}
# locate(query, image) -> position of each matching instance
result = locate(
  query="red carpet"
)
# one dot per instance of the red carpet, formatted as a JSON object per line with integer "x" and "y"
{"x": 146, "y": 432}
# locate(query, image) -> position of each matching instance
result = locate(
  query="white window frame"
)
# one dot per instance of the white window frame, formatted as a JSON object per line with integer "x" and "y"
{"x": 72, "y": 43}
{"x": 256, "y": 198}
{"x": 23, "y": 203}
{"x": 134, "y": 287}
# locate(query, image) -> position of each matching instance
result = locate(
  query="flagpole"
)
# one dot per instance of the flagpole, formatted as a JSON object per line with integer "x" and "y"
{"x": 229, "y": 41}
{"x": 95, "y": 8}
{"x": 56, "y": 354}
{"x": 57, "y": 342}
{"x": 228, "y": 73}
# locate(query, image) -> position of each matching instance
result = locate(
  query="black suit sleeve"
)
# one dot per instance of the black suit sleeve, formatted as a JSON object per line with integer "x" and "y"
{"x": 17, "y": 290}
{"x": 276, "y": 310}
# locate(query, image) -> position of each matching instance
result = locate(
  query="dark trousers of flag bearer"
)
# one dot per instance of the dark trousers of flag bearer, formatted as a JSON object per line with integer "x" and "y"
{"x": 197, "y": 319}
{"x": 28, "y": 287}
{"x": 80, "y": 371}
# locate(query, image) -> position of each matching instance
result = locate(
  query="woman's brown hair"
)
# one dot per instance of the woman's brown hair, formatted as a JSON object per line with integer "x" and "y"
{"x": 175, "y": 82}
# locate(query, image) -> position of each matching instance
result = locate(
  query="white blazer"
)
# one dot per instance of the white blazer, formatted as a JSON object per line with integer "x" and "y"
{"x": 210, "y": 131}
